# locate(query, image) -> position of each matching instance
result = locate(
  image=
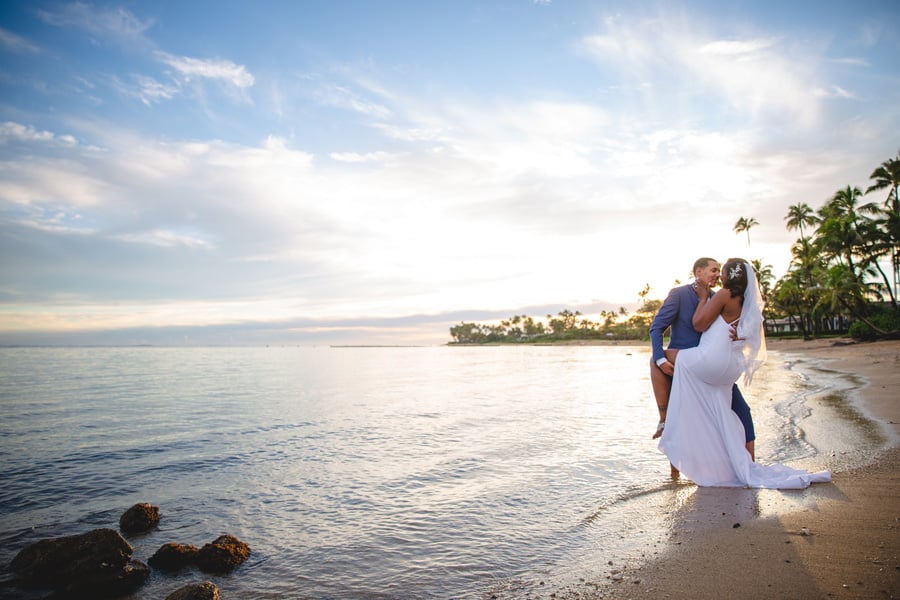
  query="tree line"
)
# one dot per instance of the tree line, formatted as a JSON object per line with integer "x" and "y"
{"x": 836, "y": 282}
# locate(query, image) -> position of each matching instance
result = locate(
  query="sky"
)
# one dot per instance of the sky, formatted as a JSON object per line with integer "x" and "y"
{"x": 358, "y": 172}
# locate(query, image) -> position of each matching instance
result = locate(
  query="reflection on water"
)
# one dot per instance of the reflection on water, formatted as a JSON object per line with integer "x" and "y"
{"x": 361, "y": 472}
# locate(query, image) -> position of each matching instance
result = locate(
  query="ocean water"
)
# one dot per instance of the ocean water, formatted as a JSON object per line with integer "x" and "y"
{"x": 430, "y": 472}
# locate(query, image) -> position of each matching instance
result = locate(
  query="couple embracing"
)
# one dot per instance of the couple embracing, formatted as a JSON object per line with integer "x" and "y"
{"x": 705, "y": 426}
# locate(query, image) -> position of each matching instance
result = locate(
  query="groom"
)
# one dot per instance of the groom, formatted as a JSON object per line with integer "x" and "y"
{"x": 678, "y": 311}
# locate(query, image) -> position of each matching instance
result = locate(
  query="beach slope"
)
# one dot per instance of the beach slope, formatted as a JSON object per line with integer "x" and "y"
{"x": 840, "y": 540}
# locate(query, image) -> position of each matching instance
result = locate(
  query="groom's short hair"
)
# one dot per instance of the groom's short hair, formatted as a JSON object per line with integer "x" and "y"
{"x": 702, "y": 263}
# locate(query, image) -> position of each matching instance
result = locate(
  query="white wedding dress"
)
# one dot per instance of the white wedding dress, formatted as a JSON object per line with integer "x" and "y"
{"x": 703, "y": 437}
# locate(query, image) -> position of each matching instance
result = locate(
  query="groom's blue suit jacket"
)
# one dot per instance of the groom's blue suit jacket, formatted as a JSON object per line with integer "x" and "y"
{"x": 678, "y": 312}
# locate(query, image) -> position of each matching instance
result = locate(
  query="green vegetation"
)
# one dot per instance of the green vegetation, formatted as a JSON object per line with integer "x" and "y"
{"x": 566, "y": 326}
{"x": 836, "y": 281}
{"x": 835, "y": 284}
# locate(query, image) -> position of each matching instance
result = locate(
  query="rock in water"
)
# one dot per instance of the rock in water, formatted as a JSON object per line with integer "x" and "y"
{"x": 174, "y": 556}
{"x": 222, "y": 555}
{"x": 108, "y": 585}
{"x": 96, "y": 563}
{"x": 196, "y": 591}
{"x": 60, "y": 560}
{"x": 139, "y": 518}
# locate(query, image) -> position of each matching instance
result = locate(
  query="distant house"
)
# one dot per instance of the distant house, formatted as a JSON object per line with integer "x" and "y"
{"x": 823, "y": 326}
{"x": 786, "y": 325}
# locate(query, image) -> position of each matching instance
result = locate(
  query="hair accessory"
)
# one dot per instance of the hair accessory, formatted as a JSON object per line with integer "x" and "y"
{"x": 734, "y": 271}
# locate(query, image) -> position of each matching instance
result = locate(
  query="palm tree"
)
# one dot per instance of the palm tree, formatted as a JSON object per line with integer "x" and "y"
{"x": 844, "y": 290}
{"x": 877, "y": 242}
{"x": 515, "y": 331}
{"x": 744, "y": 224}
{"x": 764, "y": 277}
{"x": 836, "y": 239}
{"x": 801, "y": 289}
{"x": 839, "y": 234}
{"x": 799, "y": 215}
{"x": 887, "y": 175}
{"x": 845, "y": 202}
{"x": 789, "y": 297}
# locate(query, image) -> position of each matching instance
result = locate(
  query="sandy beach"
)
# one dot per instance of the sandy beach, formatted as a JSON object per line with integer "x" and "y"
{"x": 837, "y": 540}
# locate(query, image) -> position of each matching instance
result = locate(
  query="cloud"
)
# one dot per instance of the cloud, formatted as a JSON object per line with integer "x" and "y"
{"x": 116, "y": 21}
{"x": 758, "y": 75}
{"x": 756, "y": 78}
{"x": 503, "y": 141}
{"x": 634, "y": 48}
{"x": 356, "y": 157}
{"x": 165, "y": 238}
{"x": 147, "y": 190}
{"x": 16, "y": 43}
{"x": 851, "y": 61}
{"x": 214, "y": 232}
{"x": 52, "y": 182}
{"x": 408, "y": 133}
{"x": 736, "y": 48}
{"x": 341, "y": 97}
{"x": 233, "y": 322}
{"x": 870, "y": 33}
{"x": 152, "y": 91}
{"x": 10, "y": 130}
{"x": 225, "y": 71}
{"x": 835, "y": 91}
{"x": 23, "y": 133}
{"x": 263, "y": 217}
{"x": 121, "y": 24}
{"x": 440, "y": 200}
{"x": 554, "y": 139}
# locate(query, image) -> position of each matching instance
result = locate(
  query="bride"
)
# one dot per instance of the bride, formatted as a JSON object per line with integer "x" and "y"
{"x": 704, "y": 438}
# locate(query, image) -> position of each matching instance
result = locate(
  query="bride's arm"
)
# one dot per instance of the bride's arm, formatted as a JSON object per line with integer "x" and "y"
{"x": 707, "y": 312}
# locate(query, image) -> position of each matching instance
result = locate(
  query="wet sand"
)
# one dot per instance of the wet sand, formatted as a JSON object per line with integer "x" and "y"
{"x": 837, "y": 540}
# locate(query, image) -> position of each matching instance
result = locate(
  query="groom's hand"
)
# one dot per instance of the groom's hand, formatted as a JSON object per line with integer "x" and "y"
{"x": 667, "y": 368}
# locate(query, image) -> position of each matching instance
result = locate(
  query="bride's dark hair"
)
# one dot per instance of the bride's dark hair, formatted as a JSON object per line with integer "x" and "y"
{"x": 735, "y": 277}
